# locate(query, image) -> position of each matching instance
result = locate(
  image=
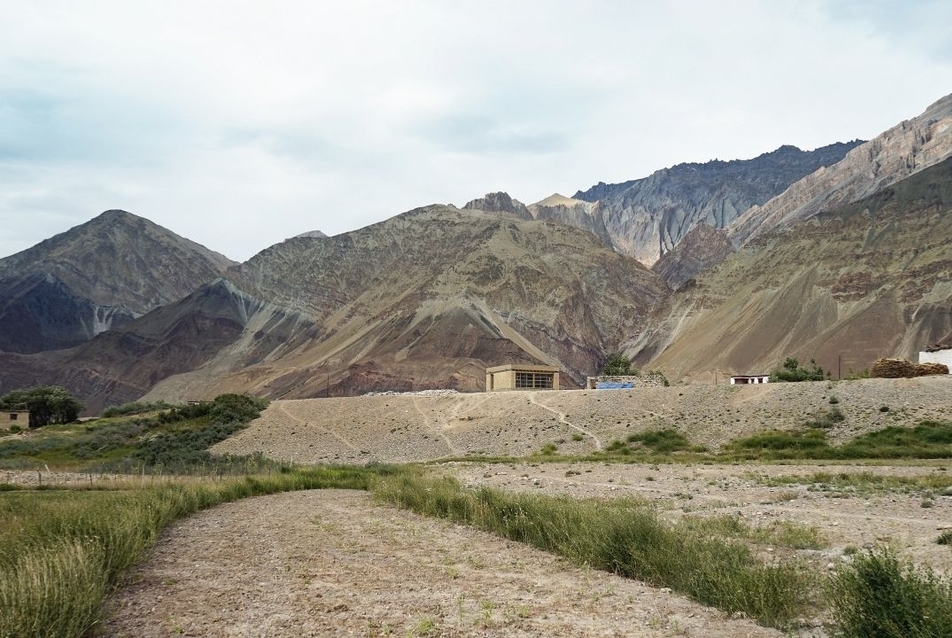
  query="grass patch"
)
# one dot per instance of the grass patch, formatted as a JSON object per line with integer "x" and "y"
{"x": 927, "y": 440}
{"x": 861, "y": 482}
{"x": 879, "y": 595}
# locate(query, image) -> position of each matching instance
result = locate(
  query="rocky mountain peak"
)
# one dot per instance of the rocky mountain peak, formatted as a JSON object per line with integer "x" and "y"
{"x": 316, "y": 234}
{"x": 648, "y": 217}
{"x": 499, "y": 202}
{"x": 113, "y": 268}
{"x": 901, "y": 151}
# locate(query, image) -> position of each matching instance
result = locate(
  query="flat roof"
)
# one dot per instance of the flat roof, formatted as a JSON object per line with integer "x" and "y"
{"x": 522, "y": 367}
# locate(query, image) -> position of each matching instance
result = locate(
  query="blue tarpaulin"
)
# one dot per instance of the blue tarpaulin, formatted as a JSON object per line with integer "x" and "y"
{"x": 614, "y": 385}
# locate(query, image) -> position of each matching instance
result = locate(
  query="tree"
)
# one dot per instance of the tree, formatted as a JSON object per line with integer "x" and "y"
{"x": 47, "y": 404}
{"x": 618, "y": 365}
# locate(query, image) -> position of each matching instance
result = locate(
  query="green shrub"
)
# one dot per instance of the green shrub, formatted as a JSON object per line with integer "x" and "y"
{"x": 945, "y": 538}
{"x": 618, "y": 365}
{"x": 135, "y": 408}
{"x": 878, "y": 595}
{"x": 781, "y": 444}
{"x": 792, "y": 371}
{"x": 662, "y": 441}
{"x": 928, "y": 439}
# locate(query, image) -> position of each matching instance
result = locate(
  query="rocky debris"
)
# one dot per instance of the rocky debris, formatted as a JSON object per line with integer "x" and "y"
{"x": 938, "y": 347}
{"x": 418, "y": 393}
{"x": 901, "y": 368}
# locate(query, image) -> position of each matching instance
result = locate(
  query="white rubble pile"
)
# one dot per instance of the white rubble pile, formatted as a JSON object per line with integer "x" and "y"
{"x": 419, "y": 393}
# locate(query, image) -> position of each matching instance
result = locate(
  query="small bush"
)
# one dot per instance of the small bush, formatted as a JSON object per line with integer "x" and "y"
{"x": 884, "y": 408}
{"x": 834, "y": 400}
{"x": 827, "y": 420}
{"x": 792, "y": 371}
{"x": 878, "y": 595}
{"x": 945, "y": 538}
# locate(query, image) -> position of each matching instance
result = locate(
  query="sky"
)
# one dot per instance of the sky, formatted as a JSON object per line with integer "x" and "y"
{"x": 238, "y": 124}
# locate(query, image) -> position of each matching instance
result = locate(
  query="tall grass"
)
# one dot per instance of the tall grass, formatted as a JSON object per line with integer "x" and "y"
{"x": 62, "y": 551}
{"x": 880, "y": 595}
{"x": 624, "y": 537}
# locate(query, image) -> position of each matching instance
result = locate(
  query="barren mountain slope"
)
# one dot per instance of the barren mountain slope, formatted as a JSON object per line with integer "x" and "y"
{"x": 426, "y": 299}
{"x": 648, "y": 217}
{"x": 867, "y": 280}
{"x": 71, "y": 287}
{"x": 903, "y": 150}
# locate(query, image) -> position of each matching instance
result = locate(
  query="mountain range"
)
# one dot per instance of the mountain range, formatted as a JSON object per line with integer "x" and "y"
{"x": 836, "y": 254}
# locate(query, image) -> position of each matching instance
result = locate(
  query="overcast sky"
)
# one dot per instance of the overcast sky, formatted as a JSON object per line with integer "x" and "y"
{"x": 239, "y": 124}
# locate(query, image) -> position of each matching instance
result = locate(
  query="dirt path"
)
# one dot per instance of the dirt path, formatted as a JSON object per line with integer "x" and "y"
{"x": 564, "y": 418}
{"x": 333, "y": 563}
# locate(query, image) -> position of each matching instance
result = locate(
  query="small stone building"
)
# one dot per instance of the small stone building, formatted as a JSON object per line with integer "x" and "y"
{"x": 9, "y": 418}
{"x": 522, "y": 376}
{"x": 745, "y": 379}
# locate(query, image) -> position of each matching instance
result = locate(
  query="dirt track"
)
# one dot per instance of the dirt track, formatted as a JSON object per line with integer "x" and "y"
{"x": 332, "y": 563}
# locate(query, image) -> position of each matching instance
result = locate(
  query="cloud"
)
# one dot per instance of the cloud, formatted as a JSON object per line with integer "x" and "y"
{"x": 237, "y": 124}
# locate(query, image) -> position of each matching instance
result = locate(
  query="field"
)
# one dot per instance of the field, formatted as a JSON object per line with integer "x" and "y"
{"x": 339, "y": 562}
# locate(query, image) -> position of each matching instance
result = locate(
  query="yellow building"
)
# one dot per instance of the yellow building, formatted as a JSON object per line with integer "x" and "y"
{"x": 9, "y": 418}
{"x": 522, "y": 376}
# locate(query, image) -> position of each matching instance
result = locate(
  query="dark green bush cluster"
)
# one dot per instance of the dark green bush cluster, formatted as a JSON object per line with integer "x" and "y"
{"x": 226, "y": 408}
{"x": 781, "y": 444}
{"x": 619, "y": 365}
{"x": 176, "y": 439}
{"x": 662, "y": 441}
{"x": 136, "y": 407}
{"x": 879, "y": 595}
{"x": 792, "y": 371}
{"x": 927, "y": 440}
{"x": 184, "y": 448}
